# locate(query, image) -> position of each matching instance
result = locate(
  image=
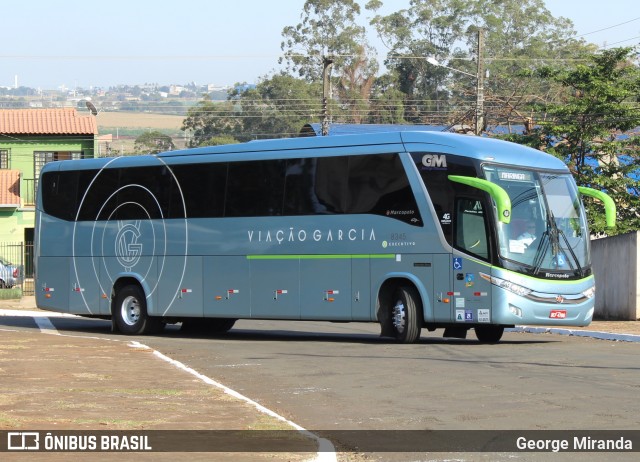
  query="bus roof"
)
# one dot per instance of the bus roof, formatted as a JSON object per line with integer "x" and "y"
{"x": 476, "y": 147}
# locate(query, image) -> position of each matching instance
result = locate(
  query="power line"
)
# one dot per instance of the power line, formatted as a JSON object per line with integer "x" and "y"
{"x": 622, "y": 41}
{"x": 610, "y": 27}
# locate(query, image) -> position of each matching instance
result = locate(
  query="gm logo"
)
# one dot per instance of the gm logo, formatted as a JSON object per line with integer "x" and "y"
{"x": 434, "y": 161}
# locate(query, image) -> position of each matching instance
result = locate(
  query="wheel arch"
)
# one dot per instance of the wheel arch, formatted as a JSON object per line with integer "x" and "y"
{"x": 124, "y": 280}
{"x": 391, "y": 282}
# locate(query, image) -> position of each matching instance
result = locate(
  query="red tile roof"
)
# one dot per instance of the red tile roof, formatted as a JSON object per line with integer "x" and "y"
{"x": 9, "y": 188}
{"x": 65, "y": 121}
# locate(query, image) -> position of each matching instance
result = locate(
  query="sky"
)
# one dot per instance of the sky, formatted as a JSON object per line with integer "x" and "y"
{"x": 80, "y": 43}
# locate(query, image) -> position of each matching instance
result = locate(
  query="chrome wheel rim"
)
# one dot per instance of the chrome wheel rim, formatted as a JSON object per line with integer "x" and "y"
{"x": 130, "y": 310}
{"x": 399, "y": 316}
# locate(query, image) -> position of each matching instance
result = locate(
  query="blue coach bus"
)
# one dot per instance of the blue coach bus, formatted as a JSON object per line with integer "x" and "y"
{"x": 411, "y": 230}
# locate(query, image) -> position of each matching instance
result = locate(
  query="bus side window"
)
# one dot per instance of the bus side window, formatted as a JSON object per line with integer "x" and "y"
{"x": 470, "y": 227}
{"x": 255, "y": 188}
{"x": 300, "y": 196}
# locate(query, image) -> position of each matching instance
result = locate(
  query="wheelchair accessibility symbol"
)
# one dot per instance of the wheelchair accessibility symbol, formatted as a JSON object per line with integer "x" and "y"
{"x": 457, "y": 263}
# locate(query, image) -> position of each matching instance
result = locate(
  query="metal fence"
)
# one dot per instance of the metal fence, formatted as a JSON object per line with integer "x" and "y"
{"x": 16, "y": 267}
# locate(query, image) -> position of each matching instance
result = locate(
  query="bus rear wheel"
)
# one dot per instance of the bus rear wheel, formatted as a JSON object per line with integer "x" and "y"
{"x": 406, "y": 316}
{"x": 489, "y": 334}
{"x": 130, "y": 312}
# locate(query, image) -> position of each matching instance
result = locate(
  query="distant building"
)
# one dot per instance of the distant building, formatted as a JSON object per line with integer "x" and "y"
{"x": 176, "y": 90}
{"x": 30, "y": 138}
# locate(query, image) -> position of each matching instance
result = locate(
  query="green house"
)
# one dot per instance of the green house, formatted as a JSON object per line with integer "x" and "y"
{"x": 30, "y": 138}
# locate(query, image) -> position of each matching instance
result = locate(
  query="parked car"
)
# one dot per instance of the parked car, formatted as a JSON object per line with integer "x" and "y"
{"x": 9, "y": 274}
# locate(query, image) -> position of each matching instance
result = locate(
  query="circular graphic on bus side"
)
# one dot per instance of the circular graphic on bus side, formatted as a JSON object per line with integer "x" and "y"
{"x": 126, "y": 232}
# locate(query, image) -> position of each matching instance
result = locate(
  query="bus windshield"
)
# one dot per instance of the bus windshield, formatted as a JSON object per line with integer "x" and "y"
{"x": 548, "y": 234}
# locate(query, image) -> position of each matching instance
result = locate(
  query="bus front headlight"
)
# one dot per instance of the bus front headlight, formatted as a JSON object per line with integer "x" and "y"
{"x": 508, "y": 285}
{"x": 590, "y": 292}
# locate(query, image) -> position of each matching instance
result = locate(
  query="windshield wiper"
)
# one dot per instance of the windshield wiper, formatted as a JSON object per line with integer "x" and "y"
{"x": 572, "y": 253}
{"x": 541, "y": 252}
{"x": 552, "y": 236}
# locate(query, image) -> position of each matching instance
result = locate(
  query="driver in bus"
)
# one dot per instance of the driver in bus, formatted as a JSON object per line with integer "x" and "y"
{"x": 528, "y": 236}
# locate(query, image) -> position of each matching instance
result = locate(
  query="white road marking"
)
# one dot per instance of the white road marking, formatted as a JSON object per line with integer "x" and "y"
{"x": 45, "y": 325}
{"x": 326, "y": 450}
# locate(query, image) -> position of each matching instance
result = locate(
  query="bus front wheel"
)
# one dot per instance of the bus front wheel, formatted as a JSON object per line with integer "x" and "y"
{"x": 130, "y": 312}
{"x": 406, "y": 315}
{"x": 489, "y": 334}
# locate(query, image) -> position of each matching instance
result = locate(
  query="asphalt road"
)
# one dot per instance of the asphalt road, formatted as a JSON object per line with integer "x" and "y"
{"x": 328, "y": 377}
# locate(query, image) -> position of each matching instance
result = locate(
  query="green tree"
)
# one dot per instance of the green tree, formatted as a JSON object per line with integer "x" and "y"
{"x": 354, "y": 87}
{"x": 276, "y": 107}
{"x": 386, "y": 101}
{"x": 592, "y": 130}
{"x": 208, "y": 119}
{"x": 328, "y": 28}
{"x": 219, "y": 140}
{"x": 427, "y": 28}
{"x": 520, "y": 35}
{"x": 153, "y": 142}
{"x": 329, "y": 31}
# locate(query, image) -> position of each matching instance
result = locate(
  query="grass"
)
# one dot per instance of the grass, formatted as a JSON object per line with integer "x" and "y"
{"x": 15, "y": 293}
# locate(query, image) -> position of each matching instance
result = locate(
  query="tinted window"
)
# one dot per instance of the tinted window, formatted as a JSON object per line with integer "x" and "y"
{"x": 142, "y": 193}
{"x": 203, "y": 186}
{"x": 255, "y": 188}
{"x": 301, "y": 196}
{"x": 379, "y": 185}
{"x": 331, "y": 183}
{"x": 370, "y": 184}
{"x": 435, "y": 169}
{"x": 375, "y": 184}
{"x": 471, "y": 229}
{"x": 60, "y": 194}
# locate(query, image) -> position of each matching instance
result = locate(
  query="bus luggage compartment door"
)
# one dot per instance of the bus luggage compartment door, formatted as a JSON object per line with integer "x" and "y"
{"x": 325, "y": 289}
{"x": 275, "y": 288}
{"x": 227, "y": 287}
{"x": 53, "y": 292}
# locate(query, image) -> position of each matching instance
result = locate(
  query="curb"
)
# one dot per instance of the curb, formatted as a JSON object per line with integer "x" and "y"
{"x": 577, "y": 333}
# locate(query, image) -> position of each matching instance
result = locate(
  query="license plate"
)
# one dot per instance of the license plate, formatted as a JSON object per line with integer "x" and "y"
{"x": 558, "y": 314}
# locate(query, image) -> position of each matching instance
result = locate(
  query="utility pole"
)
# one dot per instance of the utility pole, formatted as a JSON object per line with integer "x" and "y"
{"x": 326, "y": 94}
{"x": 480, "y": 84}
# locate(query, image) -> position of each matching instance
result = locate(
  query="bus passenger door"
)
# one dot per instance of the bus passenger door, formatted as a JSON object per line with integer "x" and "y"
{"x": 471, "y": 301}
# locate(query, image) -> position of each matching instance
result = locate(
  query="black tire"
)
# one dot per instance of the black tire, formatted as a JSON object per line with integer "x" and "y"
{"x": 208, "y": 325}
{"x": 489, "y": 334}
{"x": 406, "y": 315}
{"x": 130, "y": 312}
